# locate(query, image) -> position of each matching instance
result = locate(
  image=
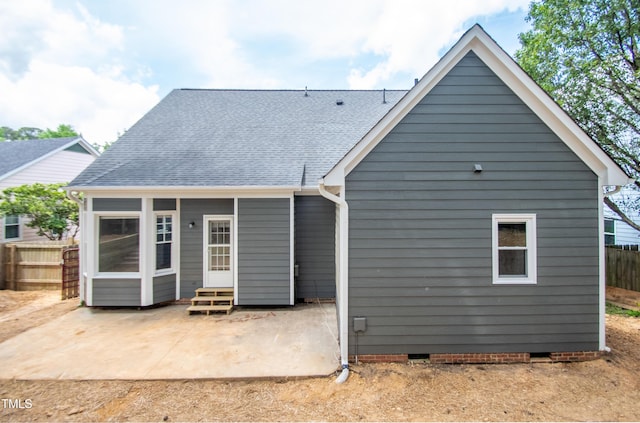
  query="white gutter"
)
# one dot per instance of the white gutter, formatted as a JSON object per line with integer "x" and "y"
{"x": 343, "y": 277}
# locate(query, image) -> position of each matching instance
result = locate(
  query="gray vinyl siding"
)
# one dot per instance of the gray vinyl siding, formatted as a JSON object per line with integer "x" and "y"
{"x": 117, "y": 292}
{"x": 192, "y": 210}
{"x": 164, "y": 204}
{"x": 420, "y": 259}
{"x": 164, "y": 288}
{"x": 264, "y": 251}
{"x": 315, "y": 247}
{"x": 117, "y": 204}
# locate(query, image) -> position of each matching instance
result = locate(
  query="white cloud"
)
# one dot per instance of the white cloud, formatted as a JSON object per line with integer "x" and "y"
{"x": 410, "y": 35}
{"x": 87, "y": 64}
{"x": 57, "y": 66}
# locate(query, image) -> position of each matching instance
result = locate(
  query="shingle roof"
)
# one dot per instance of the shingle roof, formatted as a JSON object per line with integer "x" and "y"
{"x": 15, "y": 154}
{"x": 229, "y": 138}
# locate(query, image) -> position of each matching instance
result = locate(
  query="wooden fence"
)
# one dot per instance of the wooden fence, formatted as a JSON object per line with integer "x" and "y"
{"x": 31, "y": 267}
{"x": 623, "y": 268}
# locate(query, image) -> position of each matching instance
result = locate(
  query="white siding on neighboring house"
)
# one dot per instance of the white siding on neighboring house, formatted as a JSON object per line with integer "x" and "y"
{"x": 62, "y": 166}
{"x": 624, "y": 234}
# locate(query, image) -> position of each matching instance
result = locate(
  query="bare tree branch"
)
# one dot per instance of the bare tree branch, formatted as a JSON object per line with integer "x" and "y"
{"x": 614, "y": 207}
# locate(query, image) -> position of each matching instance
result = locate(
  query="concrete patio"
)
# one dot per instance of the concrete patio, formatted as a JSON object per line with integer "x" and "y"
{"x": 167, "y": 343}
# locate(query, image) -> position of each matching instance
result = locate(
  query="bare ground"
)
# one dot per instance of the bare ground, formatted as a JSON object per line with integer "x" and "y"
{"x": 604, "y": 390}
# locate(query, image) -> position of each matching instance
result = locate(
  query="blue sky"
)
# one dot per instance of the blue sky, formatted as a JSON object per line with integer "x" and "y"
{"x": 100, "y": 65}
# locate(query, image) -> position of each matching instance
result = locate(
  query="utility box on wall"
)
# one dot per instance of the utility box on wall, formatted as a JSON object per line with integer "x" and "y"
{"x": 359, "y": 324}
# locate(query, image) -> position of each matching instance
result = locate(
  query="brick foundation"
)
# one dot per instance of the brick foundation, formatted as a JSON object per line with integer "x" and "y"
{"x": 479, "y": 358}
{"x": 380, "y": 358}
{"x": 576, "y": 356}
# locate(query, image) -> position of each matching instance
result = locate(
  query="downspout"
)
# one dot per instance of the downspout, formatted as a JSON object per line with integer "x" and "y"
{"x": 617, "y": 189}
{"x": 343, "y": 300}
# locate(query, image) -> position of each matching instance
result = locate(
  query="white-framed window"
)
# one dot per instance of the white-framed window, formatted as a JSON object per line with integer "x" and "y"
{"x": 118, "y": 244}
{"x": 609, "y": 232}
{"x": 514, "y": 248}
{"x": 11, "y": 227}
{"x": 164, "y": 241}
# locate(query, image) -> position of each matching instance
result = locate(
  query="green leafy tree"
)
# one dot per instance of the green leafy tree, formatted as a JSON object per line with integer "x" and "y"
{"x": 24, "y": 133}
{"x": 46, "y": 206}
{"x": 585, "y": 54}
{"x": 62, "y": 131}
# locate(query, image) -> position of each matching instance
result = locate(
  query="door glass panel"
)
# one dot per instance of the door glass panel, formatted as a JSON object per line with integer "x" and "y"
{"x": 220, "y": 245}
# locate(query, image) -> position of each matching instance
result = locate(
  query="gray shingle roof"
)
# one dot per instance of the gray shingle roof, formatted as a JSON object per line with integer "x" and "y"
{"x": 239, "y": 138}
{"x": 15, "y": 154}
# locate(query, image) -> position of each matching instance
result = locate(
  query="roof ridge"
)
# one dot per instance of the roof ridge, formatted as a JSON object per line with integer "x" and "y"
{"x": 288, "y": 90}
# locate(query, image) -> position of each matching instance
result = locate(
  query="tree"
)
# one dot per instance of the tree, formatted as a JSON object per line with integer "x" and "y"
{"x": 47, "y": 207}
{"x": 28, "y": 133}
{"x": 585, "y": 54}
{"x": 24, "y": 133}
{"x": 62, "y": 131}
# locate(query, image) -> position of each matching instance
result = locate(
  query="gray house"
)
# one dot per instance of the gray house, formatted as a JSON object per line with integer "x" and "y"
{"x": 461, "y": 219}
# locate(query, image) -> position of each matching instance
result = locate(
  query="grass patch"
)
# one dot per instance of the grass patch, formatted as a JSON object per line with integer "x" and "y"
{"x": 614, "y": 309}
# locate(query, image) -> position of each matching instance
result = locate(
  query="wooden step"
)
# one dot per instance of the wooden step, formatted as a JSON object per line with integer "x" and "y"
{"x": 212, "y": 300}
{"x": 204, "y": 292}
{"x": 209, "y": 308}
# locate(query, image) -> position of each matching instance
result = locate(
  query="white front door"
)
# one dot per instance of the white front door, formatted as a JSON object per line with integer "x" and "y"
{"x": 218, "y": 257}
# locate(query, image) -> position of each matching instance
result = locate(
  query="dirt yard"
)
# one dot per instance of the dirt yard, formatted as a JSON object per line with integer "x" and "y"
{"x": 601, "y": 390}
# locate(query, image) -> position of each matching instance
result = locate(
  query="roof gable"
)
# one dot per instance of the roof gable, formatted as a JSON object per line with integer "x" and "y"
{"x": 476, "y": 40}
{"x": 18, "y": 155}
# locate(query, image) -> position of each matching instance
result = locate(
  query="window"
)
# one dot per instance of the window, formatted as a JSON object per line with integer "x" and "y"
{"x": 609, "y": 232}
{"x": 164, "y": 241}
{"x": 11, "y": 226}
{"x": 514, "y": 248}
{"x": 118, "y": 244}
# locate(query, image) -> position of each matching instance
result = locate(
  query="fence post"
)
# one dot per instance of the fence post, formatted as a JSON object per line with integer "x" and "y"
{"x": 11, "y": 266}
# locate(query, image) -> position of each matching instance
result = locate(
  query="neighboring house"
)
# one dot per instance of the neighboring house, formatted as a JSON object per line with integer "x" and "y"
{"x": 461, "y": 217}
{"x": 616, "y": 231}
{"x": 46, "y": 161}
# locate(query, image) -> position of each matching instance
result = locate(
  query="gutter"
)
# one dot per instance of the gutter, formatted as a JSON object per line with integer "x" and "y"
{"x": 343, "y": 286}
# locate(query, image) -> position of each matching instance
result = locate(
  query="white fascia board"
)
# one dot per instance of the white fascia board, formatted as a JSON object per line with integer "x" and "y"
{"x": 478, "y": 41}
{"x": 87, "y": 147}
{"x": 186, "y": 191}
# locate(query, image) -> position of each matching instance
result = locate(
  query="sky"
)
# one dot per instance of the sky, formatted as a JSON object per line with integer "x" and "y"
{"x": 101, "y": 65}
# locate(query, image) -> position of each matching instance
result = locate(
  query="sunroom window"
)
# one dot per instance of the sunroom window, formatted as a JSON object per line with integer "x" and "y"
{"x": 118, "y": 244}
{"x": 164, "y": 241}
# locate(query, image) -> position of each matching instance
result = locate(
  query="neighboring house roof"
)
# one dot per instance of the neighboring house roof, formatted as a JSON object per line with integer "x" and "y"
{"x": 17, "y": 155}
{"x": 239, "y": 138}
{"x": 478, "y": 41}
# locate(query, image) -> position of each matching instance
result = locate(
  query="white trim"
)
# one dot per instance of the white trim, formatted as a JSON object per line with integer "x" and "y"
{"x": 478, "y": 41}
{"x": 147, "y": 266}
{"x": 602, "y": 283}
{"x": 78, "y": 140}
{"x": 531, "y": 248}
{"x": 177, "y": 236}
{"x": 292, "y": 298}
{"x": 87, "y": 256}
{"x": 235, "y": 250}
{"x": 205, "y": 246}
{"x": 187, "y": 191}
